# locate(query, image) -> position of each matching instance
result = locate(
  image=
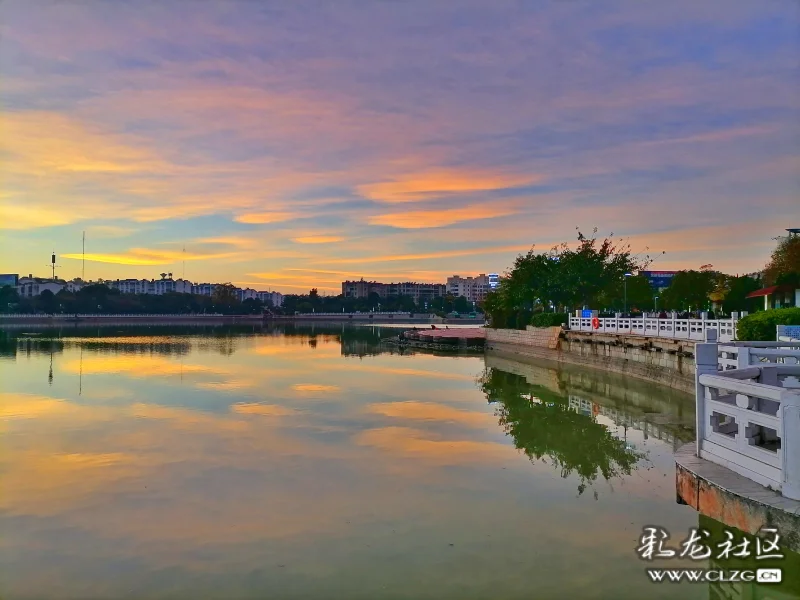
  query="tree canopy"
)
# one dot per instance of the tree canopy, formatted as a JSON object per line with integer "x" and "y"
{"x": 564, "y": 278}
{"x": 689, "y": 290}
{"x": 784, "y": 265}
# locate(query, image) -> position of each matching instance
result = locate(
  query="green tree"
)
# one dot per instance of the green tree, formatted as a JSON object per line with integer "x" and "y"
{"x": 9, "y": 299}
{"x": 640, "y": 294}
{"x": 224, "y": 297}
{"x": 47, "y": 302}
{"x": 566, "y": 278}
{"x": 462, "y": 305}
{"x": 784, "y": 265}
{"x": 736, "y": 297}
{"x": 689, "y": 290}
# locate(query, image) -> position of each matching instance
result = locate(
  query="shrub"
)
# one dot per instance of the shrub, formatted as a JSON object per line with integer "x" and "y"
{"x": 549, "y": 319}
{"x": 760, "y": 326}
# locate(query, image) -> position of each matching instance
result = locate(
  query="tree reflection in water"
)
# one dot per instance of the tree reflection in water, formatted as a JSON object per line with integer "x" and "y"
{"x": 544, "y": 426}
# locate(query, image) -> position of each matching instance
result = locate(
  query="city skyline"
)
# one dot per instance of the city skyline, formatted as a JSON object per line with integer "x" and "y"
{"x": 297, "y": 146}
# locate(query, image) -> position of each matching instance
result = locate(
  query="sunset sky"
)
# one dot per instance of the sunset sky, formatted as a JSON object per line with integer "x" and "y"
{"x": 289, "y": 145}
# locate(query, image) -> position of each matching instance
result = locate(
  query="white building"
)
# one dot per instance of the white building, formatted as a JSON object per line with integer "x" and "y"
{"x": 155, "y": 287}
{"x": 204, "y": 289}
{"x": 473, "y": 289}
{"x": 76, "y": 285}
{"x": 33, "y": 286}
{"x": 246, "y": 294}
{"x": 270, "y": 298}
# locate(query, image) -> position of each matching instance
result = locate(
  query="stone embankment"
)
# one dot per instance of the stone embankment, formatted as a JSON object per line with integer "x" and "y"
{"x": 664, "y": 361}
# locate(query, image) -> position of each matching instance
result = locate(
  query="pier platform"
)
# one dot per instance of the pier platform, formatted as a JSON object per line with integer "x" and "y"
{"x": 461, "y": 338}
{"x": 732, "y": 499}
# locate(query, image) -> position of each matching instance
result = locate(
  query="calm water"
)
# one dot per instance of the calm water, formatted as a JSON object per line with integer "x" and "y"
{"x": 318, "y": 463}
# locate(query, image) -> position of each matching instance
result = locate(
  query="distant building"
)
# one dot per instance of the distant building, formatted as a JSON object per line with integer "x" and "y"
{"x": 274, "y": 299}
{"x": 494, "y": 281}
{"x": 33, "y": 286}
{"x": 659, "y": 280}
{"x": 204, "y": 289}
{"x": 76, "y": 285}
{"x": 420, "y": 292}
{"x": 473, "y": 289}
{"x": 157, "y": 287}
{"x": 778, "y": 296}
{"x": 11, "y": 279}
{"x": 246, "y": 294}
{"x": 359, "y": 289}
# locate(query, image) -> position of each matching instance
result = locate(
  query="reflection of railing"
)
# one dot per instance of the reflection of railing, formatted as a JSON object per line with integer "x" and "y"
{"x": 685, "y": 329}
{"x": 620, "y": 418}
{"x": 748, "y": 419}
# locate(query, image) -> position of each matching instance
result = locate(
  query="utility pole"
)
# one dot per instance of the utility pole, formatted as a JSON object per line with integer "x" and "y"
{"x": 625, "y": 310}
{"x": 53, "y": 264}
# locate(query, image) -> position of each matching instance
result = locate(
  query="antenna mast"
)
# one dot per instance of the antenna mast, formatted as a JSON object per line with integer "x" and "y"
{"x": 83, "y": 260}
{"x": 183, "y": 274}
{"x": 53, "y": 264}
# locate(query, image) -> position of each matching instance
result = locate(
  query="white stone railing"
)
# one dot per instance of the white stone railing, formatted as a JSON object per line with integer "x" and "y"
{"x": 748, "y": 419}
{"x": 740, "y": 355}
{"x": 685, "y": 329}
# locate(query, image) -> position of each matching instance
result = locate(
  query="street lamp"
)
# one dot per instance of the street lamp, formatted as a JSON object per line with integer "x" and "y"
{"x": 625, "y": 309}
{"x": 655, "y": 307}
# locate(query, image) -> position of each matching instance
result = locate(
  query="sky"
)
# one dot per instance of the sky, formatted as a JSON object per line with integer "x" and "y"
{"x": 290, "y": 145}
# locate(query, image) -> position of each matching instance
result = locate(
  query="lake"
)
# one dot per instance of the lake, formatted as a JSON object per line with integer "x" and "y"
{"x": 320, "y": 462}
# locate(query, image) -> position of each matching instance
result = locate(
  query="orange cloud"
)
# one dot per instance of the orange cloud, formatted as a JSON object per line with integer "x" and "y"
{"x": 143, "y": 256}
{"x": 318, "y": 239}
{"x": 46, "y": 142}
{"x": 15, "y": 215}
{"x": 314, "y": 387}
{"x": 423, "y": 186}
{"x": 426, "y": 219}
{"x": 443, "y": 254}
{"x": 265, "y": 217}
{"x": 225, "y": 386}
{"x": 266, "y": 410}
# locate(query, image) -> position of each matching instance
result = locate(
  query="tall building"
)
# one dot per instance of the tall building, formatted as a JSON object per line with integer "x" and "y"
{"x": 473, "y": 289}
{"x": 420, "y": 292}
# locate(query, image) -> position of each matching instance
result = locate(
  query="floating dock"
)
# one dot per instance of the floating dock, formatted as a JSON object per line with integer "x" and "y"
{"x": 462, "y": 338}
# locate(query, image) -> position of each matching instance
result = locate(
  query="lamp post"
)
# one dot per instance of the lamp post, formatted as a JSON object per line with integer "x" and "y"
{"x": 655, "y": 300}
{"x": 625, "y": 309}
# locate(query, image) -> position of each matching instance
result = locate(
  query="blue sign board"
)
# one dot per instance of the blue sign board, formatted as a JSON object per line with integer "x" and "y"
{"x": 586, "y": 314}
{"x": 659, "y": 279}
{"x": 8, "y": 279}
{"x": 791, "y": 331}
